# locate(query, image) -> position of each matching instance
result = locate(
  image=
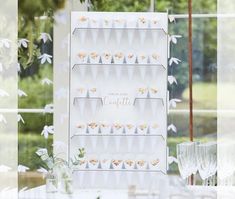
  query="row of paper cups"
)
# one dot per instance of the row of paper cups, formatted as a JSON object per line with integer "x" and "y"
{"x": 94, "y": 128}
{"x": 140, "y": 22}
{"x": 117, "y": 58}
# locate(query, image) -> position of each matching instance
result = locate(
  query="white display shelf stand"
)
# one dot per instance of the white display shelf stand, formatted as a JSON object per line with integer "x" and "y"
{"x": 117, "y": 99}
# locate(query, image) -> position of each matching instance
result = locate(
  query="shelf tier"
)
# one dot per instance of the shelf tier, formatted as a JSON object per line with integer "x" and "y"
{"x": 113, "y": 64}
{"x": 116, "y": 135}
{"x": 100, "y": 98}
{"x": 76, "y": 30}
{"x": 120, "y": 170}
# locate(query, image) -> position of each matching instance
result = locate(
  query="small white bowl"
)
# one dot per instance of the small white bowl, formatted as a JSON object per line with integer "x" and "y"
{"x": 153, "y": 92}
{"x": 118, "y": 58}
{"x": 81, "y": 58}
{"x": 142, "y": 59}
{"x": 106, "y": 58}
{"x": 129, "y": 164}
{"x": 94, "y": 58}
{"x": 93, "y": 163}
{"x": 81, "y": 129}
{"x": 105, "y": 128}
{"x": 118, "y": 128}
{"x": 154, "y": 58}
{"x": 93, "y": 92}
{"x": 130, "y": 58}
{"x": 80, "y": 92}
{"x": 119, "y": 23}
{"x": 105, "y": 164}
{"x": 93, "y": 128}
{"x": 153, "y": 128}
{"x": 154, "y": 164}
{"x": 143, "y": 22}
{"x": 141, "y": 164}
{"x": 83, "y": 22}
{"x": 117, "y": 164}
{"x": 142, "y": 129}
{"x": 142, "y": 92}
{"x": 107, "y": 23}
{"x": 130, "y": 129}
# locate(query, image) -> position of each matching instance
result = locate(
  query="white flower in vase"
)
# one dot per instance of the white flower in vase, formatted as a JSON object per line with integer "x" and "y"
{"x": 94, "y": 58}
{"x": 118, "y": 58}
{"x": 118, "y": 128}
{"x": 155, "y": 59}
{"x": 82, "y": 164}
{"x": 142, "y": 93}
{"x": 94, "y": 24}
{"x": 106, "y": 58}
{"x": 107, "y": 25}
{"x": 141, "y": 164}
{"x": 93, "y": 128}
{"x": 153, "y": 92}
{"x": 142, "y": 129}
{"x": 142, "y": 59}
{"x": 105, "y": 128}
{"x": 105, "y": 163}
{"x": 117, "y": 164}
{"x": 131, "y": 58}
{"x": 81, "y": 58}
{"x": 93, "y": 163}
{"x": 153, "y": 164}
{"x": 81, "y": 129}
{"x": 130, "y": 129}
{"x": 129, "y": 164}
{"x": 83, "y": 22}
{"x": 153, "y": 128}
{"x": 81, "y": 92}
{"x": 93, "y": 92}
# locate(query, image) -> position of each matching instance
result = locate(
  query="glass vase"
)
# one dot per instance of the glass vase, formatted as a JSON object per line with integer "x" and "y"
{"x": 51, "y": 182}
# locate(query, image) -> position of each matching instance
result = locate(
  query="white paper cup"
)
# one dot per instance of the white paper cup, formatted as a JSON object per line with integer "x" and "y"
{"x": 142, "y": 93}
{"x": 81, "y": 58}
{"x": 130, "y": 58}
{"x": 154, "y": 58}
{"x": 153, "y": 128}
{"x": 130, "y": 129}
{"x": 105, "y": 164}
{"x": 107, "y": 23}
{"x": 82, "y": 164}
{"x": 93, "y": 128}
{"x": 117, "y": 164}
{"x": 154, "y": 164}
{"x": 83, "y": 22}
{"x": 80, "y": 92}
{"x": 142, "y": 59}
{"x": 94, "y": 58}
{"x": 118, "y": 58}
{"x": 93, "y": 92}
{"x": 153, "y": 92}
{"x": 142, "y": 129}
{"x": 119, "y": 23}
{"x": 143, "y": 22}
{"x": 105, "y": 128}
{"x": 154, "y": 23}
{"x": 141, "y": 164}
{"x": 118, "y": 129}
{"x": 94, "y": 23}
{"x": 106, "y": 58}
{"x": 93, "y": 163}
{"x": 81, "y": 129}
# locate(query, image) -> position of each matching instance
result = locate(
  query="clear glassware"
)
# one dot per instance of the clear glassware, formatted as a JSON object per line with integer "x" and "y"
{"x": 51, "y": 182}
{"x": 66, "y": 181}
